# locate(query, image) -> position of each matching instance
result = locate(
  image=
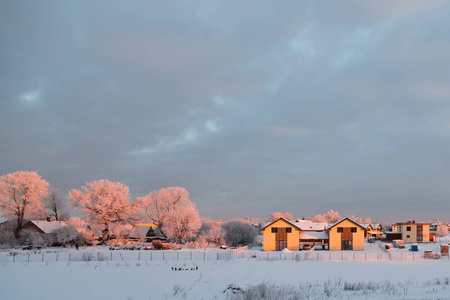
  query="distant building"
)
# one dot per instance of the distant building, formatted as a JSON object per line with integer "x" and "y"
{"x": 410, "y": 232}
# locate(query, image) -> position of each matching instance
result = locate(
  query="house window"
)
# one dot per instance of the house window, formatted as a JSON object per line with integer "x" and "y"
{"x": 408, "y": 228}
{"x": 420, "y": 238}
{"x": 340, "y": 229}
{"x": 419, "y": 228}
{"x": 408, "y": 236}
{"x": 353, "y": 229}
{"x": 274, "y": 229}
{"x": 288, "y": 230}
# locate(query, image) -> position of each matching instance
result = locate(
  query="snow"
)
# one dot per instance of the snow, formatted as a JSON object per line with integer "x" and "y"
{"x": 205, "y": 277}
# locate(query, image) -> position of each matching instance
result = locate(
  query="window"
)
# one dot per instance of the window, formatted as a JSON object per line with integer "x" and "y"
{"x": 408, "y": 228}
{"x": 340, "y": 229}
{"x": 419, "y": 228}
{"x": 420, "y": 238}
{"x": 288, "y": 230}
{"x": 408, "y": 236}
{"x": 274, "y": 230}
{"x": 353, "y": 229}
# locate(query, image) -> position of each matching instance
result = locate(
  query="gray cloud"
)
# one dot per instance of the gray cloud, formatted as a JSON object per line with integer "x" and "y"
{"x": 252, "y": 107}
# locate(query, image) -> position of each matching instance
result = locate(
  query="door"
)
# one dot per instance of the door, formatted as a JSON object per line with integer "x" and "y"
{"x": 347, "y": 239}
{"x": 281, "y": 239}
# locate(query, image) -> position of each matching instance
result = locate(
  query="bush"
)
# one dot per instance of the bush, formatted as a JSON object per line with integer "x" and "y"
{"x": 239, "y": 233}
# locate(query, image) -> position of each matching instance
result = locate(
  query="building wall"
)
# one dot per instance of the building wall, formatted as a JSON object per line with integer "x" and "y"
{"x": 335, "y": 237}
{"x": 293, "y": 238}
{"x": 414, "y": 232}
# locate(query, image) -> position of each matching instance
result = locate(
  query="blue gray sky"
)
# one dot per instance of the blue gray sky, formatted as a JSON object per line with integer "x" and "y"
{"x": 253, "y": 107}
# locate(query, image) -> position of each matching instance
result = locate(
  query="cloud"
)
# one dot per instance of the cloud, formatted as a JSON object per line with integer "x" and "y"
{"x": 294, "y": 107}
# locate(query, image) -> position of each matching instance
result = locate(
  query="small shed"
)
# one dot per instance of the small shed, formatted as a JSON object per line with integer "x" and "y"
{"x": 414, "y": 247}
{"x": 444, "y": 249}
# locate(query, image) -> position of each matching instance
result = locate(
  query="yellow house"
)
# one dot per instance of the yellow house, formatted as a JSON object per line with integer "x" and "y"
{"x": 346, "y": 234}
{"x": 373, "y": 230}
{"x": 281, "y": 234}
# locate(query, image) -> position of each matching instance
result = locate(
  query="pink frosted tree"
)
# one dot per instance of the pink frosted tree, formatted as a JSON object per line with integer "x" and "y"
{"x": 276, "y": 215}
{"x": 21, "y": 195}
{"x": 182, "y": 223}
{"x": 104, "y": 203}
{"x": 156, "y": 205}
{"x": 329, "y": 217}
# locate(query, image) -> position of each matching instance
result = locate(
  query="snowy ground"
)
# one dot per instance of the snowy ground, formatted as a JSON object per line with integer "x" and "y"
{"x": 205, "y": 277}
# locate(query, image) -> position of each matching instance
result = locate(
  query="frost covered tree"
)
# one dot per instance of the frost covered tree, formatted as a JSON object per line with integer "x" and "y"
{"x": 276, "y": 215}
{"x": 104, "y": 203}
{"x": 329, "y": 217}
{"x": 55, "y": 205}
{"x": 182, "y": 223}
{"x": 210, "y": 233}
{"x": 239, "y": 233}
{"x": 21, "y": 195}
{"x": 441, "y": 230}
{"x": 156, "y": 205}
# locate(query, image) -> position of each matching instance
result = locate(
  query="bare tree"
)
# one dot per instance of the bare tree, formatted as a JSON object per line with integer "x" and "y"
{"x": 21, "y": 194}
{"x": 55, "y": 205}
{"x": 103, "y": 202}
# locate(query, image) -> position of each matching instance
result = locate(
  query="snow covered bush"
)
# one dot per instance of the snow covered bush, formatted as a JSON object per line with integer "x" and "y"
{"x": 238, "y": 233}
{"x": 64, "y": 235}
{"x": 32, "y": 238}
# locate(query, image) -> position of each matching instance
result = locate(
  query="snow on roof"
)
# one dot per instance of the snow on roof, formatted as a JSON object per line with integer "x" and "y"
{"x": 139, "y": 232}
{"x": 306, "y": 225}
{"x": 321, "y": 235}
{"x": 48, "y": 226}
{"x": 346, "y": 218}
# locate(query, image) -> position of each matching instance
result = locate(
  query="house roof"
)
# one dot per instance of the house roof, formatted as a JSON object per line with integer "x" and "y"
{"x": 313, "y": 235}
{"x": 146, "y": 230}
{"x": 307, "y": 225}
{"x": 374, "y": 226}
{"x": 48, "y": 226}
{"x": 342, "y": 220}
{"x": 282, "y": 219}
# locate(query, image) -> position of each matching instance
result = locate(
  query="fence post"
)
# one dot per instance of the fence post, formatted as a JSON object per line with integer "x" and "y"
{"x": 110, "y": 256}
{"x": 177, "y": 255}
{"x": 14, "y": 257}
{"x": 164, "y": 256}
{"x": 139, "y": 257}
{"x": 57, "y": 254}
{"x": 28, "y": 256}
{"x": 70, "y": 254}
{"x": 217, "y": 256}
{"x": 42, "y": 255}
{"x": 204, "y": 256}
{"x": 191, "y": 255}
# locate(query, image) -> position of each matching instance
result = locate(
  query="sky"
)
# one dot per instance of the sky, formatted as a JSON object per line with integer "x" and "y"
{"x": 253, "y": 106}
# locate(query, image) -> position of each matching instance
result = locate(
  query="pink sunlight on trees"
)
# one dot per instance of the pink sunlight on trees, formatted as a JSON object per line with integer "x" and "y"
{"x": 21, "y": 194}
{"x": 276, "y": 215}
{"x": 172, "y": 211}
{"x": 182, "y": 222}
{"x": 103, "y": 202}
{"x": 329, "y": 217}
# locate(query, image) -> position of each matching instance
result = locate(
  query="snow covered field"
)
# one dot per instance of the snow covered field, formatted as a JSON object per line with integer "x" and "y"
{"x": 208, "y": 278}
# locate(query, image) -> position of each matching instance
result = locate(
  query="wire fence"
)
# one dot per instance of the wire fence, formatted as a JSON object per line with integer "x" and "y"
{"x": 209, "y": 255}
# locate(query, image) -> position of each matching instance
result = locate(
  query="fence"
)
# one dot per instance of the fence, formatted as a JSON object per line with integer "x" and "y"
{"x": 173, "y": 255}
